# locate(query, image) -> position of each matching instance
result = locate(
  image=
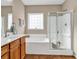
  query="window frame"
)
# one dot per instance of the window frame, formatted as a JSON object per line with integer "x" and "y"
{"x": 11, "y": 22}
{"x": 2, "y": 25}
{"x": 35, "y": 28}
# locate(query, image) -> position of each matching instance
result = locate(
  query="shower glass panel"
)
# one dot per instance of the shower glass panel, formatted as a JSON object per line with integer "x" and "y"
{"x": 59, "y": 29}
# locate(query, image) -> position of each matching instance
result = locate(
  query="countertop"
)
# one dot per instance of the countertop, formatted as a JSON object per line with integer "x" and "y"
{"x": 11, "y": 38}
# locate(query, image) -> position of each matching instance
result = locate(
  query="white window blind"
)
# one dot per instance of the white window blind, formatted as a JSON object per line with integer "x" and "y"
{"x": 35, "y": 21}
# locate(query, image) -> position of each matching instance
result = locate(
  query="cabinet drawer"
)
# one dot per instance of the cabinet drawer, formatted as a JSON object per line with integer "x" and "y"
{"x": 15, "y": 43}
{"x": 22, "y": 40}
{"x": 5, "y": 56}
{"x": 4, "y": 49}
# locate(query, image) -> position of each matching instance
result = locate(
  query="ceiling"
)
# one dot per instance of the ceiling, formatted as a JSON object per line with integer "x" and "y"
{"x": 34, "y": 2}
{"x": 6, "y": 2}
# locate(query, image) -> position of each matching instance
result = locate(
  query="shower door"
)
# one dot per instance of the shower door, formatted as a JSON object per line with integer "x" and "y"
{"x": 59, "y": 30}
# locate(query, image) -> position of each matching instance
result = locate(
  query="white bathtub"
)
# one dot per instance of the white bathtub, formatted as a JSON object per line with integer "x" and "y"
{"x": 39, "y": 44}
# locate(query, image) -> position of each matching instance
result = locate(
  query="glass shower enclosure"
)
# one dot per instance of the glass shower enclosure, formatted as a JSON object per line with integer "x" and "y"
{"x": 59, "y": 30}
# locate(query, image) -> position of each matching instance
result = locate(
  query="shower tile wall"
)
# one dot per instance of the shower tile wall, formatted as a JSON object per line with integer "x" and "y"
{"x": 59, "y": 30}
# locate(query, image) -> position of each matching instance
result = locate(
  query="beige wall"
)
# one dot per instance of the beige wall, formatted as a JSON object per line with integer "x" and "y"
{"x": 72, "y": 5}
{"x": 18, "y": 13}
{"x": 40, "y": 9}
{"x": 21, "y": 12}
{"x": 4, "y": 13}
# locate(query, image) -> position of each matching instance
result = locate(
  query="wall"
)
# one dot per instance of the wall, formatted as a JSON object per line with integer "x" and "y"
{"x": 21, "y": 12}
{"x": 72, "y": 5}
{"x": 4, "y": 12}
{"x": 17, "y": 10}
{"x": 18, "y": 13}
{"x": 40, "y": 9}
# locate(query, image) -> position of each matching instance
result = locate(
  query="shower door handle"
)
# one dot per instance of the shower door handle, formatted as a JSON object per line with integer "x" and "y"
{"x": 57, "y": 32}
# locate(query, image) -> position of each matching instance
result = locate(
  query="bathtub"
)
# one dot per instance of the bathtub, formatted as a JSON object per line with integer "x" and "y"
{"x": 39, "y": 44}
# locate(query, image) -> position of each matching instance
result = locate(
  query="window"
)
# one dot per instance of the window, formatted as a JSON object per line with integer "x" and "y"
{"x": 35, "y": 21}
{"x": 2, "y": 25}
{"x": 9, "y": 20}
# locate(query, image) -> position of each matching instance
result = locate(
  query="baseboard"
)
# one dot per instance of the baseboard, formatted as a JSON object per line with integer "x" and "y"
{"x": 75, "y": 55}
{"x": 48, "y": 55}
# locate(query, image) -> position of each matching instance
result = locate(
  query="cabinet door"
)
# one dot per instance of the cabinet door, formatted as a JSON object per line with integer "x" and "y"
{"x": 23, "y": 48}
{"x": 22, "y": 51}
{"x": 15, "y": 53}
{"x": 5, "y": 52}
{"x": 5, "y": 56}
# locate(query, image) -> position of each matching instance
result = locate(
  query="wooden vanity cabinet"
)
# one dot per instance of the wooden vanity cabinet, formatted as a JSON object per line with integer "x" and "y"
{"x": 23, "y": 48}
{"x": 5, "y": 56}
{"x": 5, "y": 52}
{"x": 15, "y": 49}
